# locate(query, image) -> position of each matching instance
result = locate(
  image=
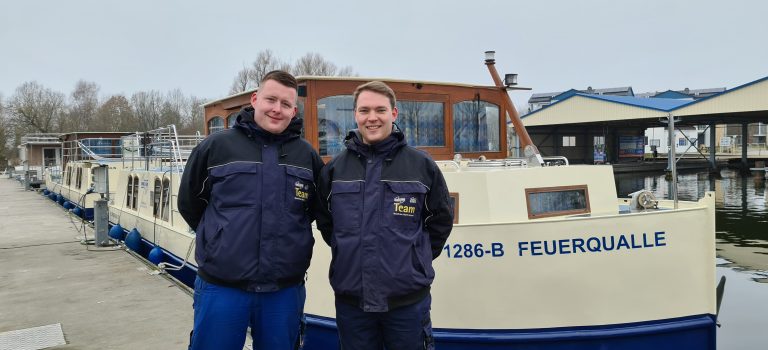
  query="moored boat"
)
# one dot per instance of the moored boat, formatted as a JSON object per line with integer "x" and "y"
{"x": 543, "y": 254}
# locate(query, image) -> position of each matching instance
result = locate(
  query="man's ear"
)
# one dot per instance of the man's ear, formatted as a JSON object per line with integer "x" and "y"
{"x": 394, "y": 114}
{"x": 253, "y": 99}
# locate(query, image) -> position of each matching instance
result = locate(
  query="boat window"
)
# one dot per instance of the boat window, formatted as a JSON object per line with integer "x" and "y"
{"x": 156, "y": 199}
{"x": 135, "y": 200}
{"x": 476, "y": 126}
{"x": 454, "y": 197}
{"x": 231, "y": 119}
{"x": 557, "y": 201}
{"x": 215, "y": 124}
{"x": 79, "y": 177}
{"x": 69, "y": 176}
{"x": 335, "y": 117}
{"x": 166, "y": 196}
{"x": 129, "y": 192}
{"x": 421, "y": 122}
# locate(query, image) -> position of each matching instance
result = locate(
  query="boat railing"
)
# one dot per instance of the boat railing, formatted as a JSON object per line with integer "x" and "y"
{"x": 500, "y": 163}
{"x": 91, "y": 149}
{"x": 161, "y": 148}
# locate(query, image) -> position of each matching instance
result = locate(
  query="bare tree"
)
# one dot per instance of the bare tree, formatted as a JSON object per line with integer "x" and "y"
{"x": 265, "y": 62}
{"x": 34, "y": 108}
{"x": 82, "y": 109}
{"x": 346, "y": 71}
{"x": 193, "y": 117}
{"x": 314, "y": 64}
{"x": 242, "y": 81}
{"x": 147, "y": 107}
{"x": 115, "y": 114}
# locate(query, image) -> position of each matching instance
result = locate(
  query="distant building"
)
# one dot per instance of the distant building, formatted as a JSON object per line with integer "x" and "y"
{"x": 540, "y": 100}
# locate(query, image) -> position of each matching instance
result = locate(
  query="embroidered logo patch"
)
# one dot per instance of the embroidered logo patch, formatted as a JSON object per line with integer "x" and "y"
{"x": 405, "y": 206}
{"x": 301, "y": 191}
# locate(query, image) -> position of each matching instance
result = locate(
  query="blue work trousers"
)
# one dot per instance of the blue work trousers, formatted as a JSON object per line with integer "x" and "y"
{"x": 405, "y": 328}
{"x": 223, "y": 314}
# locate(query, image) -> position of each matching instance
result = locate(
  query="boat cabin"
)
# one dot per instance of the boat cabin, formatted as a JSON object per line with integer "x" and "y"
{"x": 441, "y": 118}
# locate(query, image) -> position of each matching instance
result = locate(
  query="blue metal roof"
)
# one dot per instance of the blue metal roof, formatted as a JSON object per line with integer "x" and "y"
{"x": 652, "y": 103}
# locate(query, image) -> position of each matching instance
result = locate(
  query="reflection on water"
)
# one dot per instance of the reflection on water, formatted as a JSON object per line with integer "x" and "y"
{"x": 742, "y": 244}
{"x": 741, "y": 210}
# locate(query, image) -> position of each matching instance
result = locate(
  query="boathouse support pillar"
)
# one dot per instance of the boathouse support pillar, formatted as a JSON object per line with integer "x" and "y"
{"x": 744, "y": 146}
{"x": 713, "y": 146}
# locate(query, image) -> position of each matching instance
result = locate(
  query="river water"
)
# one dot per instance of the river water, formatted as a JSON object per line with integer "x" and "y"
{"x": 742, "y": 246}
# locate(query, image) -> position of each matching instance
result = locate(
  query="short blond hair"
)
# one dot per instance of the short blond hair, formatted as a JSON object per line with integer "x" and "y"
{"x": 379, "y": 88}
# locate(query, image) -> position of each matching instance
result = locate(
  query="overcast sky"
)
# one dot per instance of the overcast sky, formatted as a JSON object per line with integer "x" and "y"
{"x": 198, "y": 46}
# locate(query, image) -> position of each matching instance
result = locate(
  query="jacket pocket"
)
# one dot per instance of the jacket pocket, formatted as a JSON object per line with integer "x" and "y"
{"x": 346, "y": 205}
{"x": 236, "y": 184}
{"x": 403, "y": 206}
{"x": 299, "y": 191}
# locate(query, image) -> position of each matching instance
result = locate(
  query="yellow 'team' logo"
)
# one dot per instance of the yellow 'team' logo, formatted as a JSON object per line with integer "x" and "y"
{"x": 301, "y": 191}
{"x": 403, "y": 208}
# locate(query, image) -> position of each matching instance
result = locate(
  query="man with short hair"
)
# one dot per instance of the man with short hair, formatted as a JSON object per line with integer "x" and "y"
{"x": 386, "y": 215}
{"x": 248, "y": 193}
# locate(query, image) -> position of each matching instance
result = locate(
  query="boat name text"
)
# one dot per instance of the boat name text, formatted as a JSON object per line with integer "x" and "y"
{"x": 592, "y": 244}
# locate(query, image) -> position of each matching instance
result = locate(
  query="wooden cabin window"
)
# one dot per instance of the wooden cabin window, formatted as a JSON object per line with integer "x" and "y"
{"x": 129, "y": 192}
{"x": 557, "y": 201}
{"x": 215, "y": 124}
{"x": 335, "y": 118}
{"x": 156, "y": 199}
{"x": 165, "y": 199}
{"x": 135, "y": 201}
{"x": 476, "y": 127}
{"x": 231, "y": 120}
{"x": 422, "y": 123}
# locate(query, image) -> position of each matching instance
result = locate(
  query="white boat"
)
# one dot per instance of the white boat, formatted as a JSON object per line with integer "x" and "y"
{"x": 543, "y": 255}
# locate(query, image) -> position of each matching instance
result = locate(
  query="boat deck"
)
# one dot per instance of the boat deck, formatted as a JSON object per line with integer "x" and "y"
{"x": 102, "y": 299}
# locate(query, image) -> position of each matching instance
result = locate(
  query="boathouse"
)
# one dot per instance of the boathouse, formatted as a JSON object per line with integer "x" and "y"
{"x": 593, "y": 128}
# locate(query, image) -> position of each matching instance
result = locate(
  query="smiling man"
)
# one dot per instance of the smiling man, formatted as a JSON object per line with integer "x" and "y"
{"x": 386, "y": 216}
{"x": 248, "y": 192}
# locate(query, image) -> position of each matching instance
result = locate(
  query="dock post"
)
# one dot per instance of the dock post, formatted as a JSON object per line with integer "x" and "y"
{"x": 744, "y": 148}
{"x": 101, "y": 222}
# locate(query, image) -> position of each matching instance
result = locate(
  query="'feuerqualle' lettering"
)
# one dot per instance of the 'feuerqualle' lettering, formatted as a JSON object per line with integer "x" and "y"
{"x": 594, "y": 244}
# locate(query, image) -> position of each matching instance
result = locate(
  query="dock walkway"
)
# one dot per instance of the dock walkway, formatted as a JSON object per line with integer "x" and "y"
{"x": 104, "y": 299}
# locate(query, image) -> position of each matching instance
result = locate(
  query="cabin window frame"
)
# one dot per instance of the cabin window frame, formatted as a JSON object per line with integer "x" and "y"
{"x": 231, "y": 120}
{"x": 79, "y": 178}
{"x": 165, "y": 199}
{"x": 135, "y": 199}
{"x": 454, "y": 196}
{"x": 156, "y": 190}
{"x": 535, "y": 190}
{"x": 501, "y": 116}
{"x": 220, "y": 124}
{"x": 69, "y": 176}
{"x": 129, "y": 191}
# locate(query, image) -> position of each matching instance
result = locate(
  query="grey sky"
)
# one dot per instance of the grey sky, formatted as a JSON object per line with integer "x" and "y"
{"x": 198, "y": 46}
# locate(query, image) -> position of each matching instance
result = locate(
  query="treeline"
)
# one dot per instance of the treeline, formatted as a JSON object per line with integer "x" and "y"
{"x": 34, "y": 108}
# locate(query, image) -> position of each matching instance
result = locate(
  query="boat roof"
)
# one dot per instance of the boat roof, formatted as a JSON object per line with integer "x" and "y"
{"x": 303, "y": 78}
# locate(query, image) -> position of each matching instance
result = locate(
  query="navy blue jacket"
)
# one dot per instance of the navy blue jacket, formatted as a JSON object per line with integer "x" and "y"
{"x": 250, "y": 197}
{"x": 386, "y": 215}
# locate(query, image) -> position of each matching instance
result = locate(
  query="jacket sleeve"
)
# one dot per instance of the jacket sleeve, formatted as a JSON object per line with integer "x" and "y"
{"x": 194, "y": 188}
{"x": 439, "y": 223}
{"x": 324, "y": 219}
{"x": 315, "y": 205}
